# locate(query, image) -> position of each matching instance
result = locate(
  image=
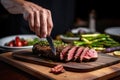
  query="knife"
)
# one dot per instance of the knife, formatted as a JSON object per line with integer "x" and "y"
{"x": 50, "y": 41}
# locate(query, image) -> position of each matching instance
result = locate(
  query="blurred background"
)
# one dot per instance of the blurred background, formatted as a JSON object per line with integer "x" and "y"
{"x": 106, "y": 14}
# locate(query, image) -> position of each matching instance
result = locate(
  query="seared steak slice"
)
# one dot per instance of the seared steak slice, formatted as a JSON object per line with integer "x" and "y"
{"x": 45, "y": 51}
{"x": 64, "y": 52}
{"x": 78, "y": 53}
{"x": 83, "y": 53}
{"x": 71, "y": 53}
{"x": 93, "y": 54}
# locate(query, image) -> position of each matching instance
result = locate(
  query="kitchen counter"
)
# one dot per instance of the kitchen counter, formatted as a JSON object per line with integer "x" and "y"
{"x": 11, "y": 69}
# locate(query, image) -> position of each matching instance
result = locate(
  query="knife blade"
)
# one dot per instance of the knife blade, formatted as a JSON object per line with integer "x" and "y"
{"x": 50, "y": 41}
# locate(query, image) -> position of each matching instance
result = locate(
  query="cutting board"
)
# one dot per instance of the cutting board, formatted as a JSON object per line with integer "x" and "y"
{"x": 103, "y": 60}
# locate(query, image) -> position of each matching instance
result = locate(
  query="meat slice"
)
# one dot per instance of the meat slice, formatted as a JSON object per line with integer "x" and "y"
{"x": 78, "y": 53}
{"x": 57, "y": 69}
{"x": 83, "y": 53}
{"x": 71, "y": 53}
{"x": 93, "y": 54}
{"x": 64, "y": 52}
{"x": 45, "y": 52}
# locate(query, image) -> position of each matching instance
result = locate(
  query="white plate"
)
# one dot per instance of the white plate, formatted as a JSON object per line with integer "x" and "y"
{"x": 115, "y": 31}
{"x": 69, "y": 39}
{"x": 76, "y": 30}
{"x": 9, "y": 38}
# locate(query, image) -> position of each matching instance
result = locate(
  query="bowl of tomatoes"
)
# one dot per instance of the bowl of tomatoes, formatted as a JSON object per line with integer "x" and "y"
{"x": 18, "y": 42}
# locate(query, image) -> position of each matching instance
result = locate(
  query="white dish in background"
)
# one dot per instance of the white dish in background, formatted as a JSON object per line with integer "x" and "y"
{"x": 69, "y": 39}
{"x": 9, "y": 38}
{"x": 76, "y": 30}
{"x": 115, "y": 31}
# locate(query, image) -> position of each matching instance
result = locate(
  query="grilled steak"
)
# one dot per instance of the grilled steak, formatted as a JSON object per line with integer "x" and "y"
{"x": 66, "y": 53}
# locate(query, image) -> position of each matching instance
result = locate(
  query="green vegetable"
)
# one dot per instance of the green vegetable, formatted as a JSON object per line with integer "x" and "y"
{"x": 96, "y": 41}
{"x": 32, "y": 41}
{"x": 56, "y": 43}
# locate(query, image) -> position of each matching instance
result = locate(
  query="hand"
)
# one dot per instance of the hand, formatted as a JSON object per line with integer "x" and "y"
{"x": 39, "y": 18}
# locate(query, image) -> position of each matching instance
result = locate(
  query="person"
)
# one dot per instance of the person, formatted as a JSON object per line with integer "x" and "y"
{"x": 40, "y": 17}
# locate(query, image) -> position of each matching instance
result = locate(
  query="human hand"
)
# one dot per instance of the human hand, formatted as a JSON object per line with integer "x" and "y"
{"x": 39, "y": 18}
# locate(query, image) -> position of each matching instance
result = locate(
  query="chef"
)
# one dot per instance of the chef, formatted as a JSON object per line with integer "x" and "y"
{"x": 38, "y": 16}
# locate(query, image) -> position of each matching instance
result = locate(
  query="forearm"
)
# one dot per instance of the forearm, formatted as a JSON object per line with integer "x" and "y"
{"x": 13, "y": 6}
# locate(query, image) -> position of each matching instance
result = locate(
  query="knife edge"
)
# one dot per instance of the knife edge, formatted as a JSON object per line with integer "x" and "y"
{"x": 50, "y": 41}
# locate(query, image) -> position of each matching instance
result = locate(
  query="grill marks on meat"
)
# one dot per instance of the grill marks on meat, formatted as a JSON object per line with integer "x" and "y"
{"x": 92, "y": 53}
{"x": 78, "y": 53}
{"x": 64, "y": 52}
{"x": 71, "y": 53}
{"x": 67, "y": 53}
{"x": 83, "y": 53}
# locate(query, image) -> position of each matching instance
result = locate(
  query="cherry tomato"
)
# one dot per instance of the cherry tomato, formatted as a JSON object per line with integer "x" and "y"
{"x": 24, "y": 43}
{"x": 17, "y": 38}
{"x": 11, "y": 43}
{"x": 18, "y": 43}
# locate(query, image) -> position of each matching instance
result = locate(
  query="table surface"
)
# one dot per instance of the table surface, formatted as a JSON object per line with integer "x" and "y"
{"x": 10, "y": 72}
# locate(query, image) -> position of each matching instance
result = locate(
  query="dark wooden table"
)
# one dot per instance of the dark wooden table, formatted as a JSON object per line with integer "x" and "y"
{"x": 9, "y": 72}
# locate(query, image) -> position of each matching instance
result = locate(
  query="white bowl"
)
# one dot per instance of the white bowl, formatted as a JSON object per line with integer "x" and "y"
{"x": 7, "y": 39}
{"x": 69, "y": 39}
{"x": 76, "y": 30}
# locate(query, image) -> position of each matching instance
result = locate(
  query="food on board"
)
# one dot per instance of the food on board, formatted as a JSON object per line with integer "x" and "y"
{"x": 65, "y": 53}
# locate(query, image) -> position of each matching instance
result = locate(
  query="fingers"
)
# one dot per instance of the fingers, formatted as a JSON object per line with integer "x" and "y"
{"x": 31, "y": 21}
{"x": 39, "y": 19}
{"x": 43, "y": 23}
{"x": 49, "y": 23}
{"x": 37, "y": 23}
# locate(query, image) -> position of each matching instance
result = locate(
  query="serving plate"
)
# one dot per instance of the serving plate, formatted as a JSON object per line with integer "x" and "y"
{"x": 7, "y": 39}
{"x": 114, "y": 32}
{"x": 76, "y": 32}
{"x": 82, "y": 29}
{"x": 69, "y": 39}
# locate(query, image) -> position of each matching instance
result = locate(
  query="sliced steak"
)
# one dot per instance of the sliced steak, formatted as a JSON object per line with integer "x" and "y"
{"x": 64, "y": 52}
{"x": 71, "y": 53}
{"x": 83, "y": 53}
{"x": 45, "y": 51}
{"x": 93, "y": 54}
{"x": 78, "y": 53}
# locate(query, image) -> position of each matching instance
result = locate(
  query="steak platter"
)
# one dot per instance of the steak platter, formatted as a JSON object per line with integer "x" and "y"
{"x": 73, "y": 58}
{"x": 66, "y": 53}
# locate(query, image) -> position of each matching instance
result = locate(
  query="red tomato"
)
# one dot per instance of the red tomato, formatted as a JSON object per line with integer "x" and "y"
{"x": 24, "y": 43}
{"x": 18, "y": 43}
{"x": 11, "y": 44}
{"x": 17, "y": 38}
